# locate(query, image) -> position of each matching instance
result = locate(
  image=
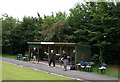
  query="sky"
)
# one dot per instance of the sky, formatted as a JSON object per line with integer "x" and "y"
{"x": 21, "y": 8}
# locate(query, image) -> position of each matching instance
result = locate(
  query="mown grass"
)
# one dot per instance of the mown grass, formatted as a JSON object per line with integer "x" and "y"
{"x": 9, "y": 56}
{"x": 13, "y": 72}
{"x": 108, "y": 72}
{"x": 0, "y": 72}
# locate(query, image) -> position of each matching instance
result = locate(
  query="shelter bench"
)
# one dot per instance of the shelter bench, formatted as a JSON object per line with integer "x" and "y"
{"x": 25, "y": 57}
{"x": 102, "y": 68}
{"x": 19, "y": 56}
{"x": 85, "y": 66}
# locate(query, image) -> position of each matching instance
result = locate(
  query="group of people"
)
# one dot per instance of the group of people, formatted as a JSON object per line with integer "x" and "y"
{"x": 52, "y": 58}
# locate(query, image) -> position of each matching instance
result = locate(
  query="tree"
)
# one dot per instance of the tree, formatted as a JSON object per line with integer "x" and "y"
{"x": 9, "y": 24}
{"x": 103, "y": 23}
{"x": 96, "y": 23}
{"x": 16, "y": 34}
{"x": 56, "y": 33}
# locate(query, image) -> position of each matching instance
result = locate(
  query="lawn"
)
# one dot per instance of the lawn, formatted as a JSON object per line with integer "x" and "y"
{"x": 13, "y": 72}
{"x": 0, "y": 71}
{"x": 110, "y": 71}
{"x": 8, "y": 56}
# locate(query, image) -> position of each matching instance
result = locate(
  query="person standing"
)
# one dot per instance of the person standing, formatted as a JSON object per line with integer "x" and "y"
{"x": 64, "y": 59}
{"x": 34, "y": 54}
{"x": 52, "y": 57}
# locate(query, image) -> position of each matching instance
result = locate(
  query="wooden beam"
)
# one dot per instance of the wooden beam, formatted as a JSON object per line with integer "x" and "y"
{"x": 29, "y": 54}
{"x": 76, "y": 54}
{"x": 38, "y": 55}
{"x": 48, "y": 52}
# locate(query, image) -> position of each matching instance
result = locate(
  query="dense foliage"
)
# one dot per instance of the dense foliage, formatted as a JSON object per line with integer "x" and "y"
{"x": 96, "y": 24}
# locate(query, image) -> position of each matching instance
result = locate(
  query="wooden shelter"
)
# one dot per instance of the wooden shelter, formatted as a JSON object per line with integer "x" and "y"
{"x": 79, "y": 52}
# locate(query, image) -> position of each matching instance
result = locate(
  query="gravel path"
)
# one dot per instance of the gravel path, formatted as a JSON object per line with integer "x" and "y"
{"x": 79, "y": 75}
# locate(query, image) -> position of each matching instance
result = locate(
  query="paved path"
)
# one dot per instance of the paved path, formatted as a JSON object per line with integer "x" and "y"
{"x": 86, "y": 76}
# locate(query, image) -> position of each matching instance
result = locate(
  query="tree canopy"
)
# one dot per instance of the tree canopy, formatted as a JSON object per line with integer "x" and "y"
{"x": 96, "y": 24}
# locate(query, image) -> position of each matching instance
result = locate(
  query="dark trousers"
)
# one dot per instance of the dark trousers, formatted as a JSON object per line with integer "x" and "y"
{"x": 52, "y": 60}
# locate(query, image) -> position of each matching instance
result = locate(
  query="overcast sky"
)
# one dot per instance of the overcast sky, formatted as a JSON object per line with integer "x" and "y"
{"x": 21, "y": 8}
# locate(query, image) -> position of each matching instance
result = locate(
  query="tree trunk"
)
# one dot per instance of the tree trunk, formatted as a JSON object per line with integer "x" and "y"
{"x": 101, "y": 55}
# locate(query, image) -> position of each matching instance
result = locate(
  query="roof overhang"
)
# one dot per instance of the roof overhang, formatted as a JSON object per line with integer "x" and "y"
{"x": 55, "y": 43}
{"x": 51, "y": 43}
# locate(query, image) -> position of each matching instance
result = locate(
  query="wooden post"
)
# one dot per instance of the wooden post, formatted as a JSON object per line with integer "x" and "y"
{"x": 48, "y": 52}
{"x": 38, "y": 55}
{"x": 60, "y": 55}
{"x": 60, "y": 50}
{"x": 29, "y": 54}
{"x": 75, "y": 54}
